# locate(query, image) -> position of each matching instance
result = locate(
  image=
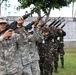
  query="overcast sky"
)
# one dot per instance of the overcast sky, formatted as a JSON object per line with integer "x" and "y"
{"x": 64, "y": 12}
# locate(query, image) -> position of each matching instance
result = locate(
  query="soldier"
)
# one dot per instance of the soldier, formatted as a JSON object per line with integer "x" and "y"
{"x": 9, "y": 55}
{"x": 44, "y": 53}
{"x": 53, "y": 47}
{"x": 32, "y": 38}
{"x": 28, "y": 51}
{"x": 22, "y": 63}
{"x": 23, "y": 47}
{"x": 39, "y": 46}
{"x": 56, "y": 51}
{"x": 61, "y": 45}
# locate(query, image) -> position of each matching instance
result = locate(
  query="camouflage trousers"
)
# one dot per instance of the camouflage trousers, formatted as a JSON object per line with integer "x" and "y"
{"x": 31, "y": 69}
{"x": 10, "y": 71}
{"x": 61, "y": 55}
{"x": 27, "y": 70}
{"x": 61, "y": 49}
{"x": 55, "y": 57}
{"x": 35, "y": 68}
{"x": 13, "y": 67}
{"x": 54, "y": 52}
{"x": 45, "y": 66}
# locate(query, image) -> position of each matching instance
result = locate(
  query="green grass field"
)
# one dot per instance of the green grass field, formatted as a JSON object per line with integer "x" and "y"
{"x": 70, "y": 63}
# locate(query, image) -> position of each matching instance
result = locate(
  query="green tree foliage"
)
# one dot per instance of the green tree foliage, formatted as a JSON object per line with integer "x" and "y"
{"x": 44, "y": 5}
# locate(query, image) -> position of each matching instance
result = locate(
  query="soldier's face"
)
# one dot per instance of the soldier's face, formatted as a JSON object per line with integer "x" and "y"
{"x": 47, "y": 27}
{"x": 39, "y": 27}
{"x": 43, "y": 33}
{"x": 2, "y": 26}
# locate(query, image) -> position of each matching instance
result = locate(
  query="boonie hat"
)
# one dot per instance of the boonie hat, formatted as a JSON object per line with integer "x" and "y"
{"x": 3, "y": 20}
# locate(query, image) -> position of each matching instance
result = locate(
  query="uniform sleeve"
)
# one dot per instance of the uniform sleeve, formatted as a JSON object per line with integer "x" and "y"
{"x": 37, "y": 34}
{"x": 23, "y": 35}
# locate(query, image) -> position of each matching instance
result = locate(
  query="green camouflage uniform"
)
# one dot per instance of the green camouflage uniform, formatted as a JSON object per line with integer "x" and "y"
{"x": 61, "y": 46}
{"x": 53, "y": 47}
{"x": 45, "y": 55}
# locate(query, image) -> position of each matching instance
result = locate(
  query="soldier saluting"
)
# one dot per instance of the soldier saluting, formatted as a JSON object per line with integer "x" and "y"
{"x": 9, "y": 55}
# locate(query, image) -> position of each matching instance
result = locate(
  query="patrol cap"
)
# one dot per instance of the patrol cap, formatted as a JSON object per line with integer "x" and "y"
{"x": 3, "y": 20}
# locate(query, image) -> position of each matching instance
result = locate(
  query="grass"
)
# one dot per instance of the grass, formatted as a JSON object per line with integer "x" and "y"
{"x": 70, "y": 63}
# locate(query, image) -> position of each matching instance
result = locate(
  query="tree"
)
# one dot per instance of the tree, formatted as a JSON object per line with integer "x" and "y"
{"x": 44, "y": 5}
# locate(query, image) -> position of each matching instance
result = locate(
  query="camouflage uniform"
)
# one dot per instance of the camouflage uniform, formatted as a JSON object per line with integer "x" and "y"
{"x": 32, "y": 38}
{"x": 56, "y": 51}
{"x": 39, "y": 46}
{"x": 61, "y": 46}
{"x": 23, "y": 47}
{"x": 10, "y": 62}
{"x": 45, "y": 55}
{"x": 54, "y": 47}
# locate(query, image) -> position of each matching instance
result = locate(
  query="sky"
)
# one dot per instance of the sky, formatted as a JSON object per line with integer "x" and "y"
{"x": 11, "y": 11}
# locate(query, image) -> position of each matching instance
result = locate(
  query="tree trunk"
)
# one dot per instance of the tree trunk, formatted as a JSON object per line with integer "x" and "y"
{"x": 47, "y": 15}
